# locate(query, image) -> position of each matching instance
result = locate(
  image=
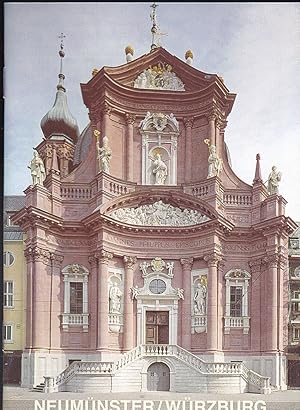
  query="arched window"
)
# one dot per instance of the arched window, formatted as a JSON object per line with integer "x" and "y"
{"x": 236, "y": 310}
{"x": 75, "y": 297}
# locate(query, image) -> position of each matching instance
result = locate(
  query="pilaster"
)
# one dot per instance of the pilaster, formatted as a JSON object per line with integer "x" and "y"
{"x": 55, "y": 300}
{"x": 213, "y": 324}
{"x": 188, "y": 122}
{"x": 129, "y": 325}
{"x": 104, "y": 258}
{"x": 130, "y": 119}
{"x": 186, "y": 337}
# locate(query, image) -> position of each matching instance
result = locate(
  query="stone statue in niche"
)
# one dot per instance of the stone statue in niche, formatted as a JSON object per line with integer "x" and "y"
{"x": 104, "y": 155}
{"x": 273, "y": 181}
{"x": 115, "y": 295}
{"x": 200, "y": 299}
{"x": 37, "y": 168}
{"x": 160, "y": 169}
{"x": 214, "y": 162}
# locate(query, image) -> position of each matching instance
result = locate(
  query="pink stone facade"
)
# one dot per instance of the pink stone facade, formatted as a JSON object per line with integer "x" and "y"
{"x": 68, "y": 221}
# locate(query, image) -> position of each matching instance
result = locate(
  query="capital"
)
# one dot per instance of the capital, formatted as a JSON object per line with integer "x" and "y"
{"x": 129, "y": 261}
{"x": 212, "y": 115}
{"x": 93, "y": 260}
{"x": 106, "y": 109}
{"x": 104, "y": 256}
{"x": 271, "y": 261}
{"x": 28, "y": 253}
{"x": 212, "y": 259}
{"x": 56, "y": 259}
{"x": 256, "y": 264}
{"x": 187, "y": 263}
{"x": 130, "y": 118}
{"x": 188, "y": 122}
{"x": 41, "y": 255}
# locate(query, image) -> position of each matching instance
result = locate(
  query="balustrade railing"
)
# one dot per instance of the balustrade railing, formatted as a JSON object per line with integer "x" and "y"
{"x": 217, "y": 368}
{"x": 75, "y": 192}
{"x": 237, "y": 199}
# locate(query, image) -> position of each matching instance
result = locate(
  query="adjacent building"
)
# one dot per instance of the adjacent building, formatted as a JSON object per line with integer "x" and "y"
{"x": 150, "y": 264}
{"x": 294, "y": 327}
{"x": 14, "y": 283}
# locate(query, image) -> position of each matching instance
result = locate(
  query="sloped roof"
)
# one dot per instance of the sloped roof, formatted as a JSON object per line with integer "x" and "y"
{"x": 13, "y": 202}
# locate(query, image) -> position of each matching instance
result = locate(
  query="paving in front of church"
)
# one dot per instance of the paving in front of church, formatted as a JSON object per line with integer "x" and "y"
{"x": 17, "y": 398}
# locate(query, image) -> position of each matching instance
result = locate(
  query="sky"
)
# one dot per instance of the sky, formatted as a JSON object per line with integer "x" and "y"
{"x": 255, "y": 47}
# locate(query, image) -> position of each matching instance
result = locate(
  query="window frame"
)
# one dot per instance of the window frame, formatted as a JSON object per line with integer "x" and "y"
{"x": 5, "y": 258}
{"x": 7, "y": 294}
{"x": 237, "y": 278}
{"x": 6, "y": 325}
{"x": 75, "y": 273}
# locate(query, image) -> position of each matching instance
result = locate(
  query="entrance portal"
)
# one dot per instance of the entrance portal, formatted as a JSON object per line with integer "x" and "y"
{"x": 157, "y": 327}
{"x": 158, "y": 377}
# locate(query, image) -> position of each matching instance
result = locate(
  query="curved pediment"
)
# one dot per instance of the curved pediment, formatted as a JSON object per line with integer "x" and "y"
{"x": 163, "y": 71}
{"x": 158, "y": 214}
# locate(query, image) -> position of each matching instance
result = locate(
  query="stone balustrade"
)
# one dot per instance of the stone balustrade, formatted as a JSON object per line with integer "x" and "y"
{"x": 237, "y": 199}
{"x": 256, "y": 382}
{"x": 75, "y": 191}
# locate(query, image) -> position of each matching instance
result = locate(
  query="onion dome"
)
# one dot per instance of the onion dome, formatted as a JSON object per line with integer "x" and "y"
{"x": 59, "y": 121}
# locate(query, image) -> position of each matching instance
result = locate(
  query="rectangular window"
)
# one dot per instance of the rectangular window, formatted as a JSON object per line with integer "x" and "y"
{"x": 8, "y": 293}
{"x": 296, "y": 305}
{"x": 236, "y": 296}
{"x": 76, "y": 297}
{"x": 296, "y": 333}
{"x": 7, "y": 333}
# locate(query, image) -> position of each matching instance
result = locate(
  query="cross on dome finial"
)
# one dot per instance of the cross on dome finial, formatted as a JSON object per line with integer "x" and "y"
{"x": 155, "y": 29}
{"x": 61, "y": 51}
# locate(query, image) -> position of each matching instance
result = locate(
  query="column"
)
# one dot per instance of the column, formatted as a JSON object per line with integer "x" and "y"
{"x": 272, "y": 302}
{"x": 55, "y": 307}
{"x": 29, "y": 308}
{"x": 186, "y": 330}
{"x": 212, "y": 127}
{"x": 41, "y": 298}
{"x": 220, "y": 305}
{"x": 255, "y": 312}
{"x": 188, "y": 122}
{"x": 220, "y": 130}
{"x": 105, "y": 120}
{"x": 129, "y": 325}
{"x": 212, "y": 307}
{"x": 94, "y": 300}
{"x": 130, "y": 118}
{"x": 104, "y": 258}
{"x": 282, "y": 311}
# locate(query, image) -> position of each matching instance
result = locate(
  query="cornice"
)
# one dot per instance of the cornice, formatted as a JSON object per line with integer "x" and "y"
{"x": 35, "y": 216}
{"x": 277, "y": 225}
{"x": 124, "y": 98}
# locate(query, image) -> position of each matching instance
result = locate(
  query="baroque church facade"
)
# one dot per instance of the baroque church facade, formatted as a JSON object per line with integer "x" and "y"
{"x": 150, "y": 264}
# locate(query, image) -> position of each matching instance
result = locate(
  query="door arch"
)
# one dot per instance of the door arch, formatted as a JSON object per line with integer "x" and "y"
{"x": 158, "y": 377}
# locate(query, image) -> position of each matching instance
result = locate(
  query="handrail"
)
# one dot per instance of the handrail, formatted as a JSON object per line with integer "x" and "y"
{"x": 165, "y": 350}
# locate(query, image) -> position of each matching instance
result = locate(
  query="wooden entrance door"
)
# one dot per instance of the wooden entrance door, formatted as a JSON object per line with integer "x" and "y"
{"x": 157, "y": 327}
{"x": 158, "y": 377}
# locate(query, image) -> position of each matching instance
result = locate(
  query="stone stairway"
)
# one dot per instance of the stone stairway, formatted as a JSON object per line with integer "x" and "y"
{"x": 39, "y": 388}
{"x": 188, "y": 373}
